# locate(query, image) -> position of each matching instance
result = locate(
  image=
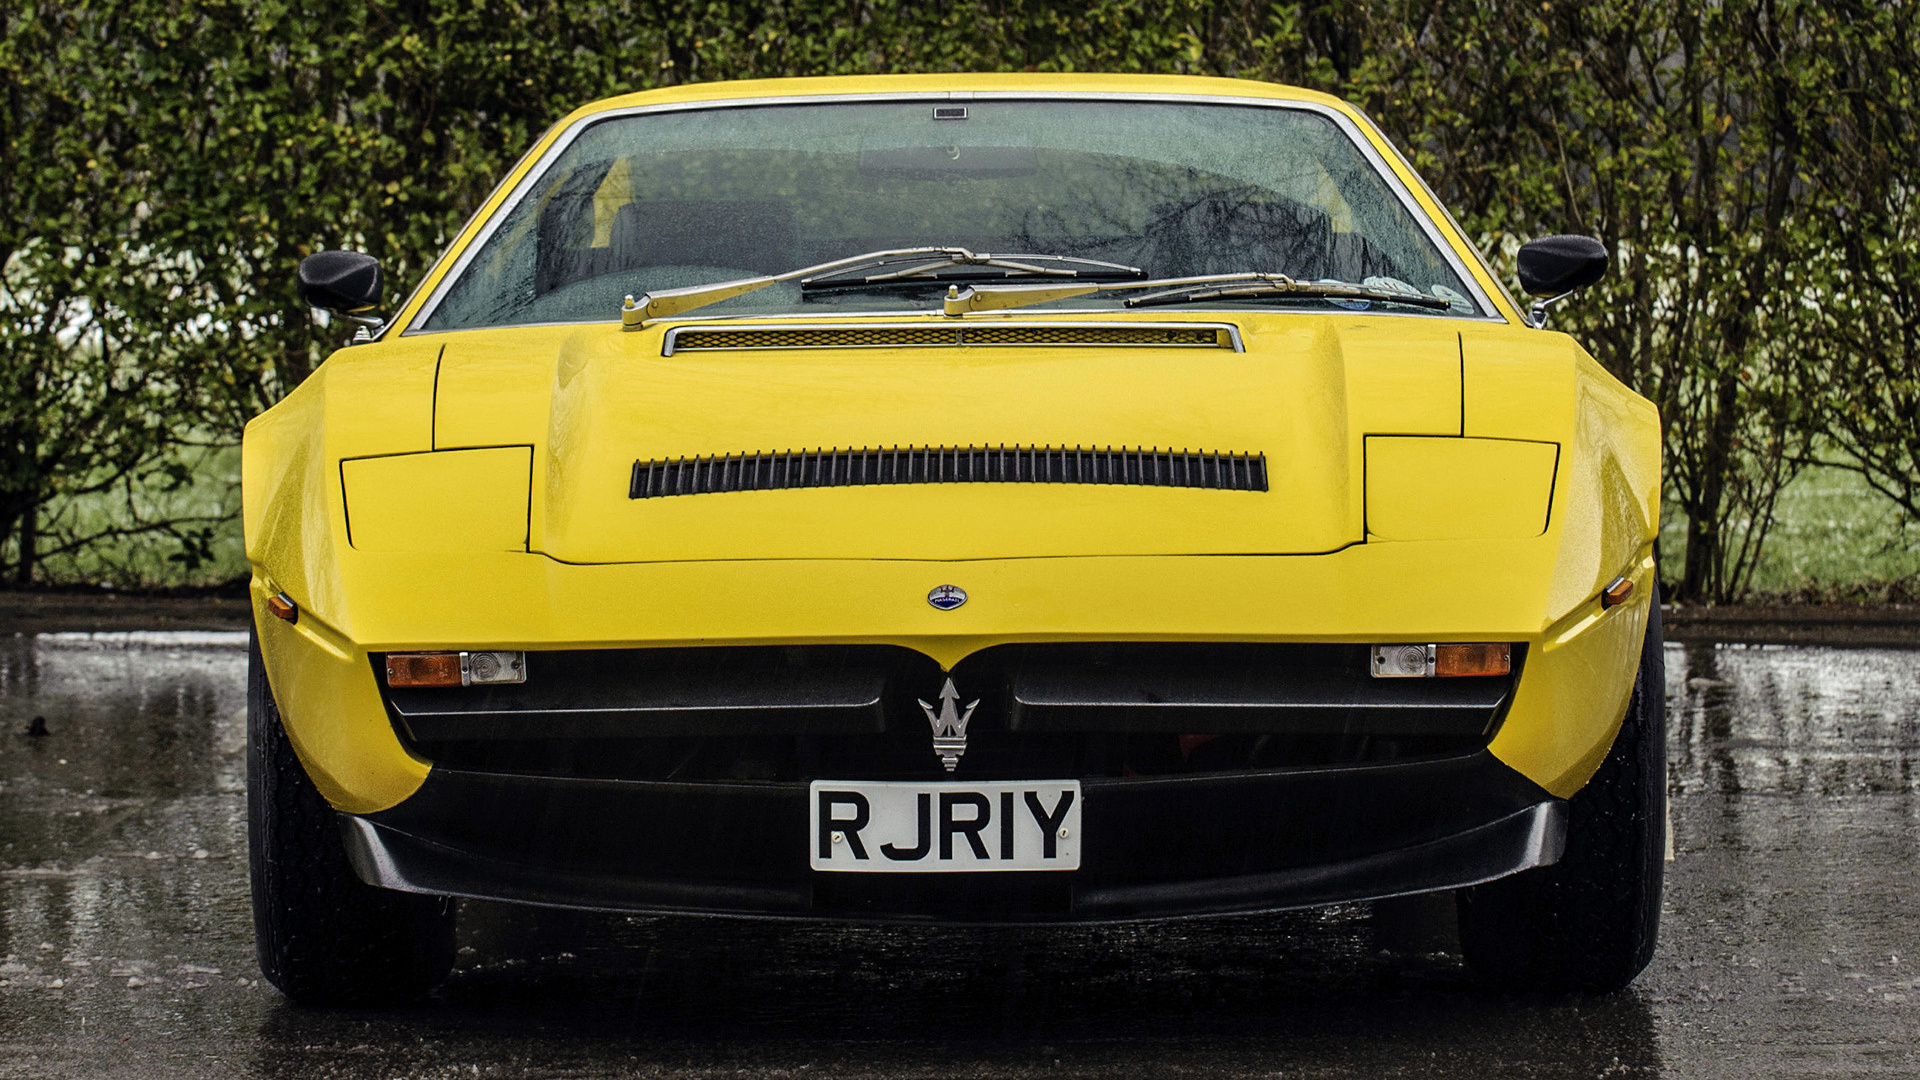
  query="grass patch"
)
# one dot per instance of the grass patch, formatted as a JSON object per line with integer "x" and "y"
{"x": 155, "y": 560}
{"x": 1834, "y": 540}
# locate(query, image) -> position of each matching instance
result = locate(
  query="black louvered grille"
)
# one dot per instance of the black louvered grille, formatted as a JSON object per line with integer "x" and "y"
{"x": 949, "y": 465}
{"x": 860, "y": 337}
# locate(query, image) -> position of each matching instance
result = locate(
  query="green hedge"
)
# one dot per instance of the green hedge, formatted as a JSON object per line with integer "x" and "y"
{"x": 165, "y": 163}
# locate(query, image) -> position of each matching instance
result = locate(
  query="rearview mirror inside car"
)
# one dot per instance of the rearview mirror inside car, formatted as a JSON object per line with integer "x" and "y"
{"x": 343, "y": 282}
{"x": 948, "y": 162}
{"x": 1556, "y": 265}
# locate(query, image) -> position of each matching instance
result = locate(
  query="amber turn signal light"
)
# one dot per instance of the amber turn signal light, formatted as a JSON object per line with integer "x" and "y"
{"x": 423, "y": 669}
{"x": 456, "y": 668}
{"x": 281, "y": 606}
{"x": 1456, "y": 660}
{"x": 1616, "y": 592}
{"x": 1441, "y": 661}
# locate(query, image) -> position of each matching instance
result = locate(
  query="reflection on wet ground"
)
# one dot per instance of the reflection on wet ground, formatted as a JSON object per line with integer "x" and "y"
{"x": 127, "y": 949}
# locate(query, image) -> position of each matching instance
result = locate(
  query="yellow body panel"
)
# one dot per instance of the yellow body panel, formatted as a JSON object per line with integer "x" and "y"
{"x": 1557, "y": 493}
{"x": 622, "y": 401}
{"x": 447, "y": 500}
{"x": 1458, "y": 489}
{"x": 333, "y": 714}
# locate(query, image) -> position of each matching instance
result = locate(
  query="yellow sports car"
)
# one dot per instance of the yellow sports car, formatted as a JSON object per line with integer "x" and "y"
{"x": 1005, "y": 498}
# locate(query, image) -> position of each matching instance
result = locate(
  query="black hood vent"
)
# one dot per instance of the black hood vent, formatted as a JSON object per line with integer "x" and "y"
{"x": 1220, "y": 471}
{"x": 950, "y": 333}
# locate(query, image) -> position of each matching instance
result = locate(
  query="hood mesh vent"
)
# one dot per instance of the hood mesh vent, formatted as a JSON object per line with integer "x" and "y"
{"x": 949, "y": 465}
{"x": 687, "y": 339}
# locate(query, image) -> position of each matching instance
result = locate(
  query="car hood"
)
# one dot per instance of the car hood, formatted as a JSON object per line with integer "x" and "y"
{"x": 1167, "y": 438}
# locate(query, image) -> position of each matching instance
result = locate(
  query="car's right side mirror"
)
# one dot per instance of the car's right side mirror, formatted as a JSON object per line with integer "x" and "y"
{"x": 1554, "y": 267}
{"x": 343, "y": 282}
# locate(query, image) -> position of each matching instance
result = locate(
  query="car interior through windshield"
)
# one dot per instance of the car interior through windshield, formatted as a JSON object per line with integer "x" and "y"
{"x": 673, "y": 199}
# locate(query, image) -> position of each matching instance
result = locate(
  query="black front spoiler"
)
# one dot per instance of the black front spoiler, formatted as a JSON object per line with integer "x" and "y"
{"x": 1152, "y": 848}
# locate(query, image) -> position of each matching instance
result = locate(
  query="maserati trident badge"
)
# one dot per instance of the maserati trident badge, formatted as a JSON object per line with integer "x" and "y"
{"x": 947, "y": 597}
{"x": 949, "y": 725}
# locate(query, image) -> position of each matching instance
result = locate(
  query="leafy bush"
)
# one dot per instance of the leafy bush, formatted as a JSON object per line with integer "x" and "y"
{"x": 165, "y": 163}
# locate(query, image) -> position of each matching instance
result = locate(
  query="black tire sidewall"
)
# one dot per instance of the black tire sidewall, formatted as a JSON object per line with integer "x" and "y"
{"x": 1589, "y": 922}
{"x": 323, "y": 936}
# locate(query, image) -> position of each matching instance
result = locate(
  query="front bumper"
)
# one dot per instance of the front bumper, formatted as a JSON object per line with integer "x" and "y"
{"x": 1562, "y": 717}
{"x": 1152, "y": 848}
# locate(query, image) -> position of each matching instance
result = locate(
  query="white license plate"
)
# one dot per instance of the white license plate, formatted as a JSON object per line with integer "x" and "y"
{"x": 893, "y": 828}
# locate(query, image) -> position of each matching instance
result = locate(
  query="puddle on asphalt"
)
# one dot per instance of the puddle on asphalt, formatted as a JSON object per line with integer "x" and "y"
{"x": 1789, "y": 720}
{"x": 126, "y": 945}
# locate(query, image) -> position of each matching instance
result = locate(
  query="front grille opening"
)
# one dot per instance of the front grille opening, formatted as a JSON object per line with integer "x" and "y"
{"x": 785, "y": 714}
{"x": 1140, "y": 467}
{"x": 963, "y": 334}
{"x": 905, "y": 752}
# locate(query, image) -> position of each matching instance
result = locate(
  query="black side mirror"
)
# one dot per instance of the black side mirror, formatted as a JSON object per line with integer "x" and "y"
{"x": 1553, "y": 267}
{"x": 343, "y": 282}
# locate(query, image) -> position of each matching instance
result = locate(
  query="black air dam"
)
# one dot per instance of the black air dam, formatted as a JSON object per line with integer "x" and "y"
{"x": 1259, "y": 840}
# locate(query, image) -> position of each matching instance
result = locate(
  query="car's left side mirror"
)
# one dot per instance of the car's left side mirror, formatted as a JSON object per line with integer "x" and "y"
{"x": 343, "y": 282}
{"x": 1555, "y": 267}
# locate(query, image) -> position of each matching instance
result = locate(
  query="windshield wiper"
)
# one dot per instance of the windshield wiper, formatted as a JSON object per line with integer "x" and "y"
{"x": 929, "y": 271}
{"x": 664, "y": 303}
{"x": 1192, "y": 290}
{"x": 1284, "y": 286}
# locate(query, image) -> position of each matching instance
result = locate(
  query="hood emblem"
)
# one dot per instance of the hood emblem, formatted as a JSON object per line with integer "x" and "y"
{"x": 949, "y": 725}
{"x": 947, "y": 597}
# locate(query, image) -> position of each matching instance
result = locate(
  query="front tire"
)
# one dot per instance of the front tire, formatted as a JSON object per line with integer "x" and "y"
{"x": 324, "y": 936}
{"x": 1589, "y": 922}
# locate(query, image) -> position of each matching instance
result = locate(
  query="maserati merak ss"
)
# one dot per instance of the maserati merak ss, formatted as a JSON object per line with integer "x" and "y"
{"x": 1005, "y": 499}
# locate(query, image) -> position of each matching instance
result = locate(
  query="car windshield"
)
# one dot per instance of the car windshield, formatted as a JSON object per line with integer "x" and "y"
{"x": 680, "y": 198}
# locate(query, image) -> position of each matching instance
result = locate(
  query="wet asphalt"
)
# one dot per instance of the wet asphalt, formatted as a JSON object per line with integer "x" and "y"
{"x": 1790, "y": 943}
